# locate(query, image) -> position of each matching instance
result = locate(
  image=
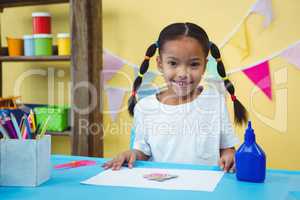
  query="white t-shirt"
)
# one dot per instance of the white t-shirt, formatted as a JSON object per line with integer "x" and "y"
{"x": 193, "y": 132}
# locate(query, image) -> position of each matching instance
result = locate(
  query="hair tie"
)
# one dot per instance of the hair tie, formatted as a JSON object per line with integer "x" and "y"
{"x": 233, "y": 97}
{"x": 157, "y": 44}
{"x": 133, "y": 93}
{"x": 218, "y": 59}
{"x": 147, "y": 58}
{"x": 141, "y": 75}
{"x": 225, "y": 78}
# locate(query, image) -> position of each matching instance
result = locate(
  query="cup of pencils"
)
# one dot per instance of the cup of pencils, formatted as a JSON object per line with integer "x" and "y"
{"x": 25, "y": 151}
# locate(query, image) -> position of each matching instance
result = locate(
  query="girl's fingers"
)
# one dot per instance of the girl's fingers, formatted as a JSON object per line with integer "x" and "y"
{"x": 228, "y": 164}
{"x": 114, "y": 166}
{"x": 120, "y": 163}
{"x": 107, "y": 165}
{"x": 221, "y": 163}
{"x": 131, "y": 160}
{"x": 117, "y": 162}
{"x": 232, "y": 169}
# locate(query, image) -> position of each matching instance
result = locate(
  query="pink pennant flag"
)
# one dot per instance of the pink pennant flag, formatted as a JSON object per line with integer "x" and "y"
{"x": 260, "y": 76}
{"x": 292, "y": 55}
{"x": 264, "y": 7}
{"x": 115, "y": 100}
{"x": 111, "y": 64}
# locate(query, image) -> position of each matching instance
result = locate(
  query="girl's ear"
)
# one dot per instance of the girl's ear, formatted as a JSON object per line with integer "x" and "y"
{"x": 159, "y": 64}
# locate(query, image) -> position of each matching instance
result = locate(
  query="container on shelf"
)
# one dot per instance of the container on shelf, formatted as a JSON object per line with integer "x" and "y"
{"x": 28, "y": 45}
{"x": 41, "y": 23}
{"x": 42, "y": 44}
{"x": 15, "y": 46}
{"x": 64, "y": 44}
{"x": 58, "y": 117}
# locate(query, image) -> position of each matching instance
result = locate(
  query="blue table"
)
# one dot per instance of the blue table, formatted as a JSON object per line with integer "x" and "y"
{"x": 65, "y": 184}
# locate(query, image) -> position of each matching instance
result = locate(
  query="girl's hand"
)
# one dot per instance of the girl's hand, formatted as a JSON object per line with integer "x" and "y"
{"x": 227, "y": 162}
{"x": 118, "y": 161}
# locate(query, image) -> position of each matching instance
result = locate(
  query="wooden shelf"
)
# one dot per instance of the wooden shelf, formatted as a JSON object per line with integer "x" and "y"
{"x": 63, "y": 133}
{"x": 33, "y": 58}
{"x": 86, "y": 28}
{"x": 16, "y": 3}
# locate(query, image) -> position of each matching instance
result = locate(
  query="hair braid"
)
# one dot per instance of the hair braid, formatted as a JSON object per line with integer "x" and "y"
{"x": 240, "y": 113}
{"x": 138, "y": 81}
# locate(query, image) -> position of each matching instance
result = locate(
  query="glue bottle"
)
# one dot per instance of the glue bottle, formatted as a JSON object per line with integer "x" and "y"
{"x": 250, "y": 159}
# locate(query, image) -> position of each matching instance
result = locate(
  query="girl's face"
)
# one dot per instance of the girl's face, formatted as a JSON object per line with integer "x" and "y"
{"x": 182, "y": 62}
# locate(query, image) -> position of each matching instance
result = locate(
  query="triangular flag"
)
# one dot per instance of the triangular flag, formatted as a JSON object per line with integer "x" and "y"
{"x": 148, "y": 76}
{"x": 111, "y": 64}
{"x": 146, "y": 91}
{"x": 264, "y": 7}
{"x": 292, "y": 55}
{"x": 241, "y": 41}
{"x": 260, "y": 76}
{"x": 211, "y": 71}
{"x": 115, "y": 100}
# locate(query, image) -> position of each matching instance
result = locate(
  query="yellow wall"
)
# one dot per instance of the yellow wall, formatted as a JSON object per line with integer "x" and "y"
{"x": 130, "y": 26}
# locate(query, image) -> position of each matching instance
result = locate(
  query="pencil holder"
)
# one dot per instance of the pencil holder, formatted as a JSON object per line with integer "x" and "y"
{"x": 25, "y": 162}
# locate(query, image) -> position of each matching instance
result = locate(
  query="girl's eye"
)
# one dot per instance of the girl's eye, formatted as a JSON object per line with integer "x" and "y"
{"x": 172, "y": 63}
{"x": 195, "y": 65}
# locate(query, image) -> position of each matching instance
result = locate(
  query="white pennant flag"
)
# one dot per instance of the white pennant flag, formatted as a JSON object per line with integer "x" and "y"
{"x": 264, "y": 7}
{"x": 115, "y": 100}
{"x": 292, "y": 55}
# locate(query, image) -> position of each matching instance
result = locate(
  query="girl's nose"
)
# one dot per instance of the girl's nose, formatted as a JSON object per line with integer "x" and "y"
{"x": 182, "y": 73}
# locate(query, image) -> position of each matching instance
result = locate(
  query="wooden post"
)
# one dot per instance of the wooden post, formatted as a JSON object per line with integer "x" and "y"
{"x": 86, "y": 61}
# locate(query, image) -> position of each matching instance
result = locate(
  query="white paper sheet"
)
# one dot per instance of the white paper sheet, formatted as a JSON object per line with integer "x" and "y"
{"x": 194, "y": 180}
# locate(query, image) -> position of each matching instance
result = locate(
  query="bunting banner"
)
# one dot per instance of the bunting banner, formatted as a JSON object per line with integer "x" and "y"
{"x": 111, "y": 64}
{"x": 260, "y": 76}
{"x": 147, "y": 91}
{"x": 115, "y": 100}
{"x": 264, "y": 8}
{"x": 148, "y": 76}
{"x": 239, "y": 35}
{"x": 211, "y": 71}
{"x": 241, "y": 41}
{"x": 292, "y": 55}
{"x": 258, "y": 73}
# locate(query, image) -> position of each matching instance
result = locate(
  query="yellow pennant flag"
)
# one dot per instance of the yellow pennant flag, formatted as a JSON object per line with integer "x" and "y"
{"x": 240, "y": 40}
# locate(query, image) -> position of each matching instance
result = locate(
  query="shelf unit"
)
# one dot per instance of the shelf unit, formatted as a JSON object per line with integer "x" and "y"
{"x": 5, "y": 58}
{"x": 86, "y": 65}
{"x": 33, "y": 58}
{"x": 64, "y": 133}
